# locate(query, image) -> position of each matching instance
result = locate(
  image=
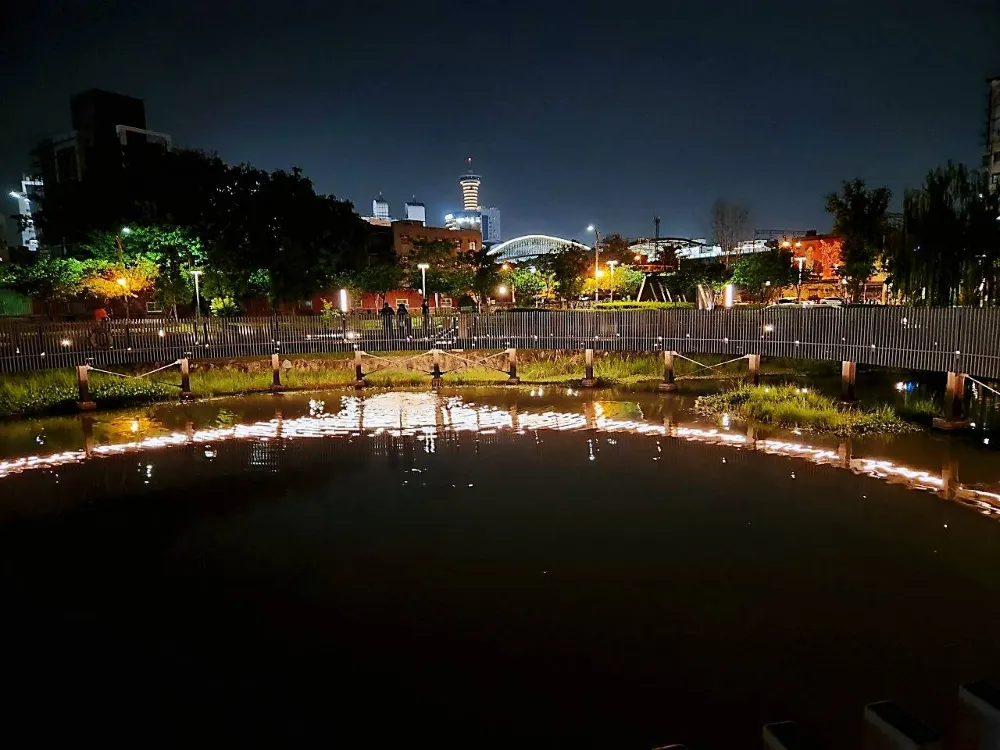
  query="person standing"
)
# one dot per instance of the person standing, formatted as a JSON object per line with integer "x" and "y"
{"x": 403, "y": 319}
{"x": 386, "y": 313}
{"x": 425, "y": 312}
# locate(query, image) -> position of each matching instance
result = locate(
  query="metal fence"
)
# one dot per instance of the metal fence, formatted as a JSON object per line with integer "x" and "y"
{"x": 955, "y": 339}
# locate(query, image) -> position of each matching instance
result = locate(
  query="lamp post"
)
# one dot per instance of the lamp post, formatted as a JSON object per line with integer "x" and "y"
{"x": 798, "y": 294}
{"x": 423, "y": 278}
{"x": 611, "y": 281}
{"x": 597, "y": 243}
{"x": 197, "y": 303}
{"x": 123, "y": 283}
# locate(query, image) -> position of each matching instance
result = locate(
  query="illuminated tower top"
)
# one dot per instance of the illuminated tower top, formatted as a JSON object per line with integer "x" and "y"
{"x": 470, "y": 189}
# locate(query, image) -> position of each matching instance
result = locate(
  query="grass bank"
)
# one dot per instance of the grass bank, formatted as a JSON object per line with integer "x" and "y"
{"x": 792, "y": 406}
{"x": 54, "y": 391}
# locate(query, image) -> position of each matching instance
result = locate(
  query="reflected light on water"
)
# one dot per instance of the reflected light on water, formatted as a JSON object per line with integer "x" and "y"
{"x": 426, "y": 417}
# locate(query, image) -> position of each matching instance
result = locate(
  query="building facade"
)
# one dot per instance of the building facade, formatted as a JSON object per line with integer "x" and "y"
{"x": 991, "y": 155}
{"x": 407, "y": 234}
{"x": 484, "y": 219}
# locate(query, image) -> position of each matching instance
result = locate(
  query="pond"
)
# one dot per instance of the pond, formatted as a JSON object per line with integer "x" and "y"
{"x": 485, "y": 567}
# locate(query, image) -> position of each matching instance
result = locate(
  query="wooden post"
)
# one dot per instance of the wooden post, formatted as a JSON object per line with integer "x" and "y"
{"x": 83, "y": 382}
{"x": 275, "y": 371}
{"x": 436, "y": 380}
{"x": 185, "y": 366}
{"x": 588, "y": 363}
{"x": 889, "y": 726}
{"x": 848, "y": 380}
{"x": 668, "y": 383}
{"x": 955, "y": 417}
{"x": 359, "y": 376}
{"x": 949, "y": 480}
{"x": 753, "y": 360}
{"x": 87, "y": 425}
{"x": 512, "y": 378}
{"x": 846, "y": 454}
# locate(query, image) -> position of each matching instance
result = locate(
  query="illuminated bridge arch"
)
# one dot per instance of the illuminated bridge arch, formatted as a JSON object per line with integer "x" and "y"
{"x": 531, "y": 246}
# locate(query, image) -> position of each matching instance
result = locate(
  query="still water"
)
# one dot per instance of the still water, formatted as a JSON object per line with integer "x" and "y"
{"x": 545, "y": 567}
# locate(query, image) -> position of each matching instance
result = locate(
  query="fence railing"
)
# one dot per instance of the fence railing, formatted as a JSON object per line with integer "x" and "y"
{"x": 945, "y": 339}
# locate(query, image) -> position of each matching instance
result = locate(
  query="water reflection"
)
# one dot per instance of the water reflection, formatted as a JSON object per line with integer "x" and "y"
{"x": 430, "y": 417}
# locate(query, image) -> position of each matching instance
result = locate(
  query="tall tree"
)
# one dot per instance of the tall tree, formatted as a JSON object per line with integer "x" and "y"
{"x": 948, "y": 251}
{"x": 860, "y": 219}
{"x": 568, "y": 267}
{"x": 380, "y": 280}
{"x": 763, "y": 274}
{"x": 730, "y": 226}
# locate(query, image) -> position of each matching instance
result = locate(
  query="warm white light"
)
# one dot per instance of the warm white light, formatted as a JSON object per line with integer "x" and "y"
{"x": 126, "y": 231}
{"x": 343, "y": 300}
{"x": 768, "y": 328}
{"x": 423, "y": 266}
{"x": 502, "y": 289}
{"x": 161, "y": 333}
{"x": 66, "y": 342}
{"x": 122, "y": 282}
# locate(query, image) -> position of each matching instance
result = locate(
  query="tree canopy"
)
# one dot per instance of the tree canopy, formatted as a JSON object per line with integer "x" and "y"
{"x": 762, "y": 274}
{"x": 860, "y": 219}
{"x": 948, "y": 251}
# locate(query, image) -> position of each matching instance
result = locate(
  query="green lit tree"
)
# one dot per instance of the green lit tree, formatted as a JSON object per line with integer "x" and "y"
{"x": 48, "y": 280}
{"x": 762, "y": 274}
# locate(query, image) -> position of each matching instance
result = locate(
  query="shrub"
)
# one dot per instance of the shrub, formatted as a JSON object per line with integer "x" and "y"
{"x": 791, "y": 406}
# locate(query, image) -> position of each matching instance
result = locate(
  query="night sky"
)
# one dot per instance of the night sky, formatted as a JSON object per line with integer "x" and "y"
{"x": 574, "y": 113}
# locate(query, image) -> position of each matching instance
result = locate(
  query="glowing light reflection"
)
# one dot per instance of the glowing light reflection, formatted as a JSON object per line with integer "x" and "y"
{"x": 425, "y": 416}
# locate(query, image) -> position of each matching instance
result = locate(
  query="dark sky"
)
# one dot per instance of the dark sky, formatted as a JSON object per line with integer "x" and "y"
{"x": 573, "y": 112}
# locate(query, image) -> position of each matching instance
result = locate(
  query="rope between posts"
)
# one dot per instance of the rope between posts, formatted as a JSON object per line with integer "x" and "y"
{"x": 710, "y": 367}
{"x": 981, "y": 383}
{"x": 91, "y": 368}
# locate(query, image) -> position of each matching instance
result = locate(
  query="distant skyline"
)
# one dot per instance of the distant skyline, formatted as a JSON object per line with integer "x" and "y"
{"x": 572, "y": 115}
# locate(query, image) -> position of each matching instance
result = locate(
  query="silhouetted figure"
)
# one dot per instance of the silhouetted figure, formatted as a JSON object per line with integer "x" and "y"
{"x": 386, "y": 313}
{"x": 403, "y": 319}
{"x": 425, "y": 312}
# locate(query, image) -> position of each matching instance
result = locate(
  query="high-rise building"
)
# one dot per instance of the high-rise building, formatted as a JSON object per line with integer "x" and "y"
{"x": 416, "y": 211}
{"x": 107, "y": 129}
{"x": 472, "y": 215}
{"x": 31, "y": 188}
{"x": 991, "y": 157}
{"x": 470, "y": 183}
{"x": 490, "y": 225}
{"x": 380, "y": 208}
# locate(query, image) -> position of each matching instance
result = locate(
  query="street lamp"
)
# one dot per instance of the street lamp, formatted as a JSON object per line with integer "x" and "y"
{"x": 197, "y": 302}
{"x": 801, "y": 261}
{"x": 423, "y": 278}
{"x": 611, "y": 281}
{"x": 597, "y": 243}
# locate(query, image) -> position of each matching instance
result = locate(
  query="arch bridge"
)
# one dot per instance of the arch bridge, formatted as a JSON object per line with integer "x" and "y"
{"x": 531, "y": 246}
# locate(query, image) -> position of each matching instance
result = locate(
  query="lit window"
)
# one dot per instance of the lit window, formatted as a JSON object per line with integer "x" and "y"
{"x": 472, "y": 246}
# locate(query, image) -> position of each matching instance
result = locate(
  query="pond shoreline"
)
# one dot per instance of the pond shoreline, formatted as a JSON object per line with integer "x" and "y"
{"x": 52, "y": 392}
